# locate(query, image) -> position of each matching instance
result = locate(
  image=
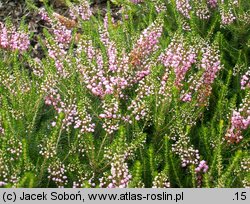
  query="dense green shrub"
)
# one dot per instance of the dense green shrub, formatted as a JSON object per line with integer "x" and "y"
{"x": 158, "y": 96}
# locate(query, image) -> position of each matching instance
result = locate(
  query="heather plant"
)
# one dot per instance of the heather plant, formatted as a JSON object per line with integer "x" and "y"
{"x": 157, "y": 97}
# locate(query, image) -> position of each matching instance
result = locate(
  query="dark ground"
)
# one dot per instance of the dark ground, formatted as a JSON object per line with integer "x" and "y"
{"x": 16, "y": 10}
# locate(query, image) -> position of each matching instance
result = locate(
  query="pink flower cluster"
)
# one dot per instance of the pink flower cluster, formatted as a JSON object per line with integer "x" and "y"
{"x": 110, "y": 46}
{"x": 113, "y": 77}
{"x": 118, "y": 74}
{"x": 159, "y": 6}
{"x": 238, "y": 123}
{"x": 57, "y": 174}
{"x": 44, "y": 15}
{"x": 48, "y": 149}
{"x": 120, "y": 176}
{"x": 62, "y": 34}
{"x": 15, "y": 149}
{"x": 211, "y": 64}
{"x": 147, "y": 43}
{"x": 110, "y": 115}
{"x": 84, "y": 180}
{"x": 161, "y": 181}
{"x": 245, "y": 80}
{"x": 37, "y": 66}
{"x": 184, "y": 7}
{"x": 138, "y": 107}
{"x": 212, "y": 3}
{"x": 58, "y": 53}
{"x": 54, "y": 99}
{"x": 227, "y": 16}
{"x": 187, "y": 153}
{"x": 180, "y": 57}
{"x": 12, "y": 39}
{"x": 202, "y": 167}
{"x": 240, "y": 120}
{"x": 233, "y": 135}
{"x": 70, "y": 115}
{"x": 80, "y": 120}
{"x": 99, "y": 79}
{"x": 83, "y": 11}
{"x": 202, "y": 11}
{"x": 10, "y": 82}
{"x": 57, "y": 47}
{"x": 164, "y": 89}
{"x": 186, "y": 97}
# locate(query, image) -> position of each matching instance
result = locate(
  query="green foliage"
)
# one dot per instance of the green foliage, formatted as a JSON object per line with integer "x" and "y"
{"x": 37, "y": 142}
